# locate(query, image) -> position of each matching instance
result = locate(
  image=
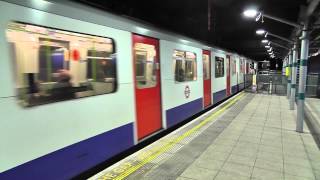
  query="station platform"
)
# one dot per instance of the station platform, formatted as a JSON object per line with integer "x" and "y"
{"x": 250, "y": 136}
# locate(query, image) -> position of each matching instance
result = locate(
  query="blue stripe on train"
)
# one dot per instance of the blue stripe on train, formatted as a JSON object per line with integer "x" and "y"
{"x": 219, "y": 96}
{"x": 182, "y": 112}
{"x": 74, "y": 159}
{"x": 234, "y": 89}
{"x": 241, "y": 86}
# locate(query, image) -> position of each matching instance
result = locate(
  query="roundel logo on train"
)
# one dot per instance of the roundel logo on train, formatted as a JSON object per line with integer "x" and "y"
{"x": 187, "y": 91}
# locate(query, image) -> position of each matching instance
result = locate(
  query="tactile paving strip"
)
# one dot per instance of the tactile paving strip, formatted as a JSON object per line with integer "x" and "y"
{"x": 170, "y": 162}
{"x": 174, "y": 166}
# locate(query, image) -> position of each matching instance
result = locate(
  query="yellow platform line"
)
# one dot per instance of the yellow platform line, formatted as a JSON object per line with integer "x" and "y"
{"x": 176, "y": 140}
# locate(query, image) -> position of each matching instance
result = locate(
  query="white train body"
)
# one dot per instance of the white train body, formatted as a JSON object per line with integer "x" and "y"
{"x": 58, "y": 140}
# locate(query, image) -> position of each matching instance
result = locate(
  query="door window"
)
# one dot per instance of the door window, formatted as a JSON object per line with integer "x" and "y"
{"x": 145, "y": 65}
{"x": 206, "y": 67}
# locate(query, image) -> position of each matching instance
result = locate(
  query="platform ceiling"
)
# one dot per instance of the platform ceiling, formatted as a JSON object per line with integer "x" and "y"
{"x": 228, "y": 29}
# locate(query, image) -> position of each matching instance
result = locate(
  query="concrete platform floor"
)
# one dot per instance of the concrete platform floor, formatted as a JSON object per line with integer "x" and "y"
{"x": 254, "y": 138}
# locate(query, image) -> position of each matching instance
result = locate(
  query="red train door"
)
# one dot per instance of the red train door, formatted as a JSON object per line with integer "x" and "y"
{"x": 228, "y": 76}
{"x": 206, "y": 78}
{"x": 147, "y": 84}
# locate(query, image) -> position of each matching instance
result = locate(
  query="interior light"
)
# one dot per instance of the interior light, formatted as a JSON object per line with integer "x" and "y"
{"x": 260, "y": 31}
{"x": 269, "y": 50}
{"x": 270, "y": 53}
{"x": 265, "y": 41}
{"x": 266, "y": 35}
{"x": 267, "y": 47}
{"x": 269, "y": 43}
{"x": 250, "y": 13}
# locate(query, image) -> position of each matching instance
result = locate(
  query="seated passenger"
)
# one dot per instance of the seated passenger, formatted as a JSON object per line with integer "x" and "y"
{"x": 63, "y": 88}
{"x": 181, "y": 75}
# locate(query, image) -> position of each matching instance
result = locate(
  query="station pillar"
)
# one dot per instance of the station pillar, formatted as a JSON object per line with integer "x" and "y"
{"x": 289, "y": 74}
{"x": 293, "y": 76}
{"x": 302, "y": 78}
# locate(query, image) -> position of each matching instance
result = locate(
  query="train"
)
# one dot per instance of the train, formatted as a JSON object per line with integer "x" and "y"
{"x": 80, "y": 85}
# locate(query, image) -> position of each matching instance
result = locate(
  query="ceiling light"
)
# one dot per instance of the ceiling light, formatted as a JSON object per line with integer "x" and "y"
{"x": 267, "y": 47}
{"x": 250, "y": 13}
{"x": 265, "y": 41}
{"x": 269, "y": 43}
{"x": 270, "y": 53}
{"x": 260, "y": 31}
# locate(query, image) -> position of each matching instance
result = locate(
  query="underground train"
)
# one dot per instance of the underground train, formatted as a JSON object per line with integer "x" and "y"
{"x": 80, "y": 85}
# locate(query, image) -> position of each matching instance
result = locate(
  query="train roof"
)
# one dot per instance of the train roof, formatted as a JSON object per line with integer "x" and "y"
{"x": 94, "y": 15}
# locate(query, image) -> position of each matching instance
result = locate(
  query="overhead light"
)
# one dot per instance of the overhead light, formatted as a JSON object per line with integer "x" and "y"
{"x": 270, "y": 53}
{"x": 269, "y": 50}
{"x": 265, "y": 41}
{"x": 269, "y": 43}
{"x": 266, "y": 35}
{"x": 250, "y": 13}
{"x": 267, "y": 47}
{"x": 260, "y": 31}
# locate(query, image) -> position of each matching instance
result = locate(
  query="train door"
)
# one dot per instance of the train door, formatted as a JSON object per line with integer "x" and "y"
{"x": 147, "y": 84}
{"x": 206, "y": 78}
{"x": 228, "y": 93}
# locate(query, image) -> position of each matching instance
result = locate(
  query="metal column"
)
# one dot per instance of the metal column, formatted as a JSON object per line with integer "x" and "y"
{"x": 284, "y": 66}
{"x": 302, "y": 78}
{"x": 289, "y": 75}
{"x": 293, "y": 76}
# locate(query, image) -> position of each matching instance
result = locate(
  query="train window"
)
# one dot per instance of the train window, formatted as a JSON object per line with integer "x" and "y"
{"x": 206, "y": 66}
{"x": 234, "y": 67}
{"x": 185, "y": 66}
{"x": 219, "y": 67}
{"x": 55, "y": 65}
{"x": 242, "y": 67}
{"x": 145, "y": 65}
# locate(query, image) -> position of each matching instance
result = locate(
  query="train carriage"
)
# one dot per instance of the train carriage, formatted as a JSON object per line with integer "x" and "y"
{"x": 79, "y": 86}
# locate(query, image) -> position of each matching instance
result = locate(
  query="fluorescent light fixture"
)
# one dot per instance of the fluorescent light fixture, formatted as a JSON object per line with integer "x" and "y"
{"x": 266, "y": 35}
{"x": 269, "y": 43}
{"x": 260, "y": 31}
{"x": 250, "y": 13}
{"x": 267, "y": 47}
{"x": 270, "y": 53}
{"x": 269, "y": 50}
{"x": 265, "y": 41}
